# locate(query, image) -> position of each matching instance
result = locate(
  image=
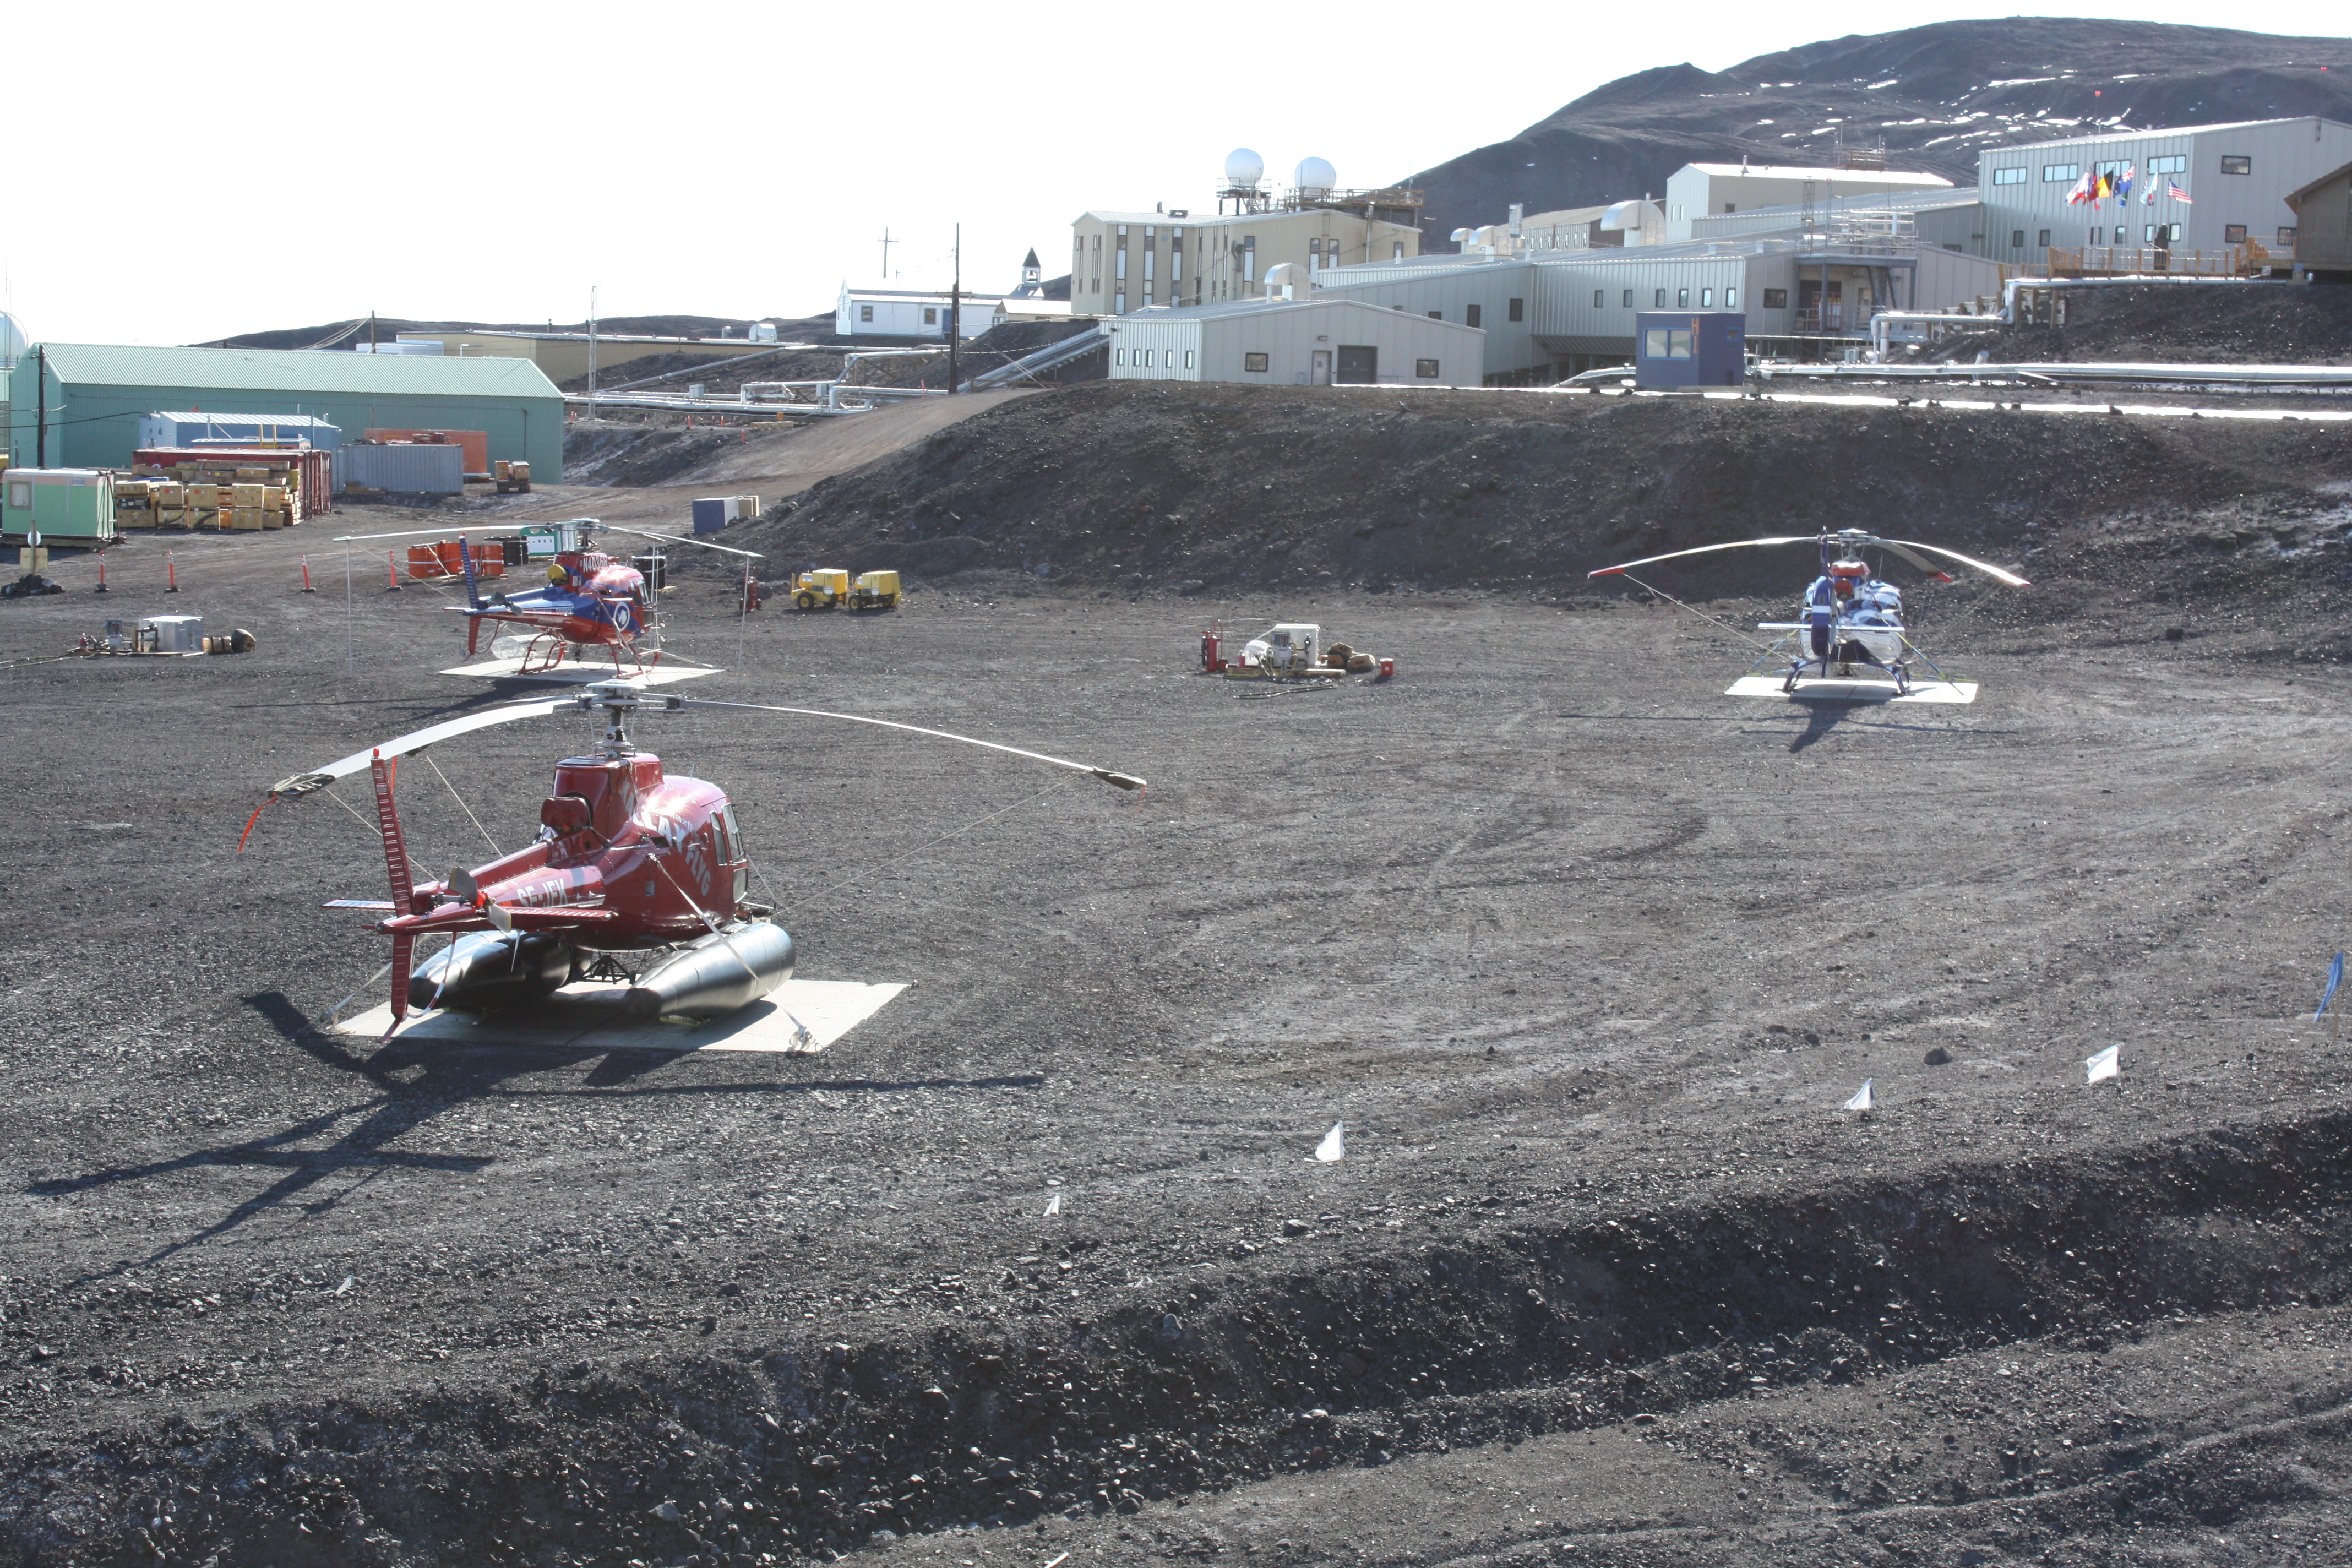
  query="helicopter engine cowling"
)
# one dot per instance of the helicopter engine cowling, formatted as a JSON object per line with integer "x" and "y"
{"x": 716, "y": 974}
{"x": 483, "y": 972}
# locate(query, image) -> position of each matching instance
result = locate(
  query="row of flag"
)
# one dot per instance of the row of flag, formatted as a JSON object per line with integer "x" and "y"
{"x": 2111, "y": 184}
{"x": 2108, "y": 1063}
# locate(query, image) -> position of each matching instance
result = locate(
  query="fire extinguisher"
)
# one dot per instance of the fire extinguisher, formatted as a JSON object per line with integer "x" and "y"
{"x": 750, "y": 591}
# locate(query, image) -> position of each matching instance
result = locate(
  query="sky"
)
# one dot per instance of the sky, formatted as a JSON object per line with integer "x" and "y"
{"x": 179, "y": 175}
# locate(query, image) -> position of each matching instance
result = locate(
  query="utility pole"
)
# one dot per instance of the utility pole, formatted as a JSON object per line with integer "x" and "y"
{"x": 41, "y": 407}
{"x": 955, "y": 308}
{"x": 592, "y": 350}
{"x": 885, "y": 253}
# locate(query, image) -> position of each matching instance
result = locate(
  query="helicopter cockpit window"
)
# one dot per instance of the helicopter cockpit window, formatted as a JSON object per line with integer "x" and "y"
{"x": 565, "y": 813}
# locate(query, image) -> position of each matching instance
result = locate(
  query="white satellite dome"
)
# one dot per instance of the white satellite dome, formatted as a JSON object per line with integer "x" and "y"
{"x": 12, "y": 338}
{"x": 1243, "y": 167}
{"x": 1315, "y": 176}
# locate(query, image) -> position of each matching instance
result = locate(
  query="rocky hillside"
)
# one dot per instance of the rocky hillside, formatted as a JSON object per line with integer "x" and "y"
{"x": 1931, "y": 96}
{"x": 1125, "y": 486}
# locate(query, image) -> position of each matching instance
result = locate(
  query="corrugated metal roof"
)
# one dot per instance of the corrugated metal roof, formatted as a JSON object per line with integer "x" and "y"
{"x": 2153, "y": 131}
{"x": 297, "y": 370}
{"x": 1831, "y": 176}
{"x": 1259, "y": 308}
{"x": 194, "y": 416}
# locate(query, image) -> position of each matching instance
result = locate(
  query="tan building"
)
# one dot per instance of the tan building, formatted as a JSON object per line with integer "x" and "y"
{"x": 2323, "y": 234}
{"x": 1124, "y": 261}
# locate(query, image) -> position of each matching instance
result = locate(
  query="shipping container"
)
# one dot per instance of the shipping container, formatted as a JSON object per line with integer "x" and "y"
{"x": 193, "y": 428}
{"x": 1675, "y": 349}
{"x": 417, "y": 469}
{"x": 475, "y": 444}
{"x": 710, "y": 513}
{"x": 64, "y": 506}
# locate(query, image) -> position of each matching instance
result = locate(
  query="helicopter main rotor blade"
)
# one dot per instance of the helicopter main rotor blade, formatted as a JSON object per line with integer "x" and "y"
{"x": 1702, "y": 550}
{"x": 1990, "y": 570}
{"x": 1921, "y": 562}
{"x": 1123, "y": 781}
{"x": 418, "y": 740}
{"x": 427, "y": 532}
{"x": 681, "y": 539}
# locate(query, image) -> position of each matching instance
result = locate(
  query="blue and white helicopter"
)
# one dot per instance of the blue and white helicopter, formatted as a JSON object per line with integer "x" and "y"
{"x": 1850, "y": 616}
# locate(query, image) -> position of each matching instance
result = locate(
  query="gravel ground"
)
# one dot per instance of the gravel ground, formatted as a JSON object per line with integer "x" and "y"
{"x": 1585, "y": 955}
{"x": 2192, "y": 323}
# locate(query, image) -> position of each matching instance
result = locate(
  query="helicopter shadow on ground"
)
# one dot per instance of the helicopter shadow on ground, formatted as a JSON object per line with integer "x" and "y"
{"x": 449, "y": 1079}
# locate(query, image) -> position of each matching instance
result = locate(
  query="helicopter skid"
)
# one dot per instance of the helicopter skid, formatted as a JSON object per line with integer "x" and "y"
{"x": 587, "y": 1017}
{"x": 580, "y": 672}
{"x": 1835, "y": 688}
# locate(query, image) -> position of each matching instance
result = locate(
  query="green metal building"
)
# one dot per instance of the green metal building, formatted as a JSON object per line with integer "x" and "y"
{"x": 89, "y": 397}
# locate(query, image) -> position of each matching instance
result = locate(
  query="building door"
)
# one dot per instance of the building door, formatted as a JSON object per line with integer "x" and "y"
{"x": 1322, "y": 375}
{"x": 1358, "y": 364}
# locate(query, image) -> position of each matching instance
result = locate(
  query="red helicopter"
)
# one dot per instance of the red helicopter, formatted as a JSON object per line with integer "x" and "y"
{"x": 628, "y": 860}
{"x": 590, "y": 599}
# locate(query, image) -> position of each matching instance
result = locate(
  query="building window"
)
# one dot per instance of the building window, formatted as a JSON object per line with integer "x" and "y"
{"x": 1437, "y": 315}
{"x": 1681, "y": 299}
{"x": 1249, "y": 259}
{"x": 1731, "y": 298}
{"x": 2237, "y": 165}
{"x": 2017, "y": 239}
{"x": 2233, "y": 234}
{"x": 1118, "y": 303}
{"x": 1660, "y": 302}
{"x": 1517, "y": 310}
{"x": 1188, "y": 359}
{"x": 2170, "y": 163}
{"x": 1255, "y": 363}
{"x": 1776, "y": 298}
{"x": 1706, "y": 299}
{"x": 865, "y": 312}
{"x": 2044, "y": 241}
{"x": 1664, "y": 343}
{"x": 1628, "y": 300}
{"x": 1598, "y": 295}
{"x": 1118, "y": 263}
{"x": 2095, "y": 233}
{"x": 1396, "y": 250}
{"x": 1425, "y": 368}
{"x": 2012, "y": 175}
{"x": 1175, "y": 259}
{"x": 1119, "y": 357}
{"x": 2287, "y": 238}
{"x": 1729, "y": 209}
{"x": 2060, "y": 173}
{"x": 1470, "y": 315}
{"x": 1314, "y": 256}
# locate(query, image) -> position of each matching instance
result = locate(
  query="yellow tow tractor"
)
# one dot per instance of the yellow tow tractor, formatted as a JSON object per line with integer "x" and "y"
{"x": 824, "y": 588}
{"x": 874, "y": 591}
{"x": 819, "y": 590}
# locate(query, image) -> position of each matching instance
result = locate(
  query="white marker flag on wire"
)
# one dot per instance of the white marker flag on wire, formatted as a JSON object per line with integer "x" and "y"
{"x": 1863, "y": 1098}
{"x": 2105, "y": 1065}
{"x": 1334, "y": 1145}
{"x": 1054, "y": 1204}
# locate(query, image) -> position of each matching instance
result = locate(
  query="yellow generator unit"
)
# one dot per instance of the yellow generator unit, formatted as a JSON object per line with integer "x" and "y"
{"x": 875, "y": 591}
{"x": 820, "y": 589}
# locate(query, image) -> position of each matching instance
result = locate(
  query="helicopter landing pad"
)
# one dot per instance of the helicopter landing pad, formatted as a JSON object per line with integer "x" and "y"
{"x": 1818, "y": 690}
{"x": 582, "y": 673}
{"x": 580, "y": 1017}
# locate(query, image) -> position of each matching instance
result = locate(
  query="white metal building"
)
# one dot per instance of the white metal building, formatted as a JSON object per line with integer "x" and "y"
{"x": 1707, "y": 190}
{"x": 1315, "y": 341}
{"x": 1552, "y": 311}
{"x": 910, "y": 313}
{"x": 2237, "y": 178}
